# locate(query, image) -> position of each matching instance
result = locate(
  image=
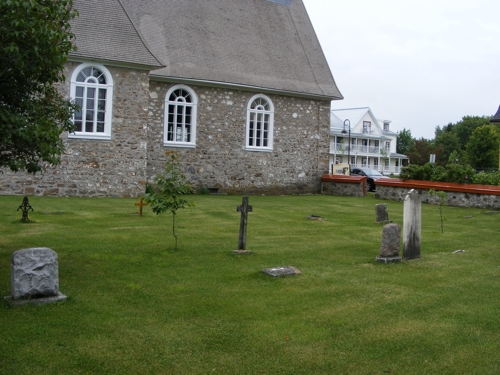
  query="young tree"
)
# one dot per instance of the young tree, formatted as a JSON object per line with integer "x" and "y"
{"x": 35, "y": 40}
{"x": 167, "y": 195}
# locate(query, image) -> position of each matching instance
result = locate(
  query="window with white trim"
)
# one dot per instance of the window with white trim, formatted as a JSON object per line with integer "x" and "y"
{"x": 367, "y": 127}
{"x": 260, "y": 123}
{"x": 181, "y": 105}
{"x": 91, "y": 88}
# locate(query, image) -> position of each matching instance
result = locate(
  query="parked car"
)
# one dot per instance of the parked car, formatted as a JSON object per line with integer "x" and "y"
{"x": 372, "y": 175}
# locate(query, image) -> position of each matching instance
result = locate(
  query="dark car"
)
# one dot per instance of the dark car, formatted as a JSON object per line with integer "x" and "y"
{"x": 372, "y": 175}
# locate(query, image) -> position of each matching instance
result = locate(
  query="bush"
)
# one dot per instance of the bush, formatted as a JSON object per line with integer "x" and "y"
{"x": 458, "y": 173}
{"x": 492, "y": 178}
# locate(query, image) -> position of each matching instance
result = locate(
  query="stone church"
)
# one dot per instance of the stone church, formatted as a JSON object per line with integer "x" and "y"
{"x": 240, "y": 89}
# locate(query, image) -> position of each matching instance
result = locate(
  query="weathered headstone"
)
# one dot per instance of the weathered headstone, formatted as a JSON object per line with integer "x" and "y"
{"x": 389, "y": 248}
{"x": 412, "y": 224}
{"x": 382, "y": 214}
{"x": 244, "y": 208}
{"x": 35, "y": 276}
{"x": 281, "y": 271}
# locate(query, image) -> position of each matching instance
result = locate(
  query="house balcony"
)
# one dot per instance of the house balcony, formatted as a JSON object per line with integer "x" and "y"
{"x": 353, "y": 149}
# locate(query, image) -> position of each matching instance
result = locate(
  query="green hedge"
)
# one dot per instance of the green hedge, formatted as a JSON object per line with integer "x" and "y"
{"x": 450, "y": 173}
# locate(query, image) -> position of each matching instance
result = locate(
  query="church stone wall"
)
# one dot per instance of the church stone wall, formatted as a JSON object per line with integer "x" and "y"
{"x": 95, "y": 168}
{"x": 220, "y": 161}
{"x": 122, "y": 166}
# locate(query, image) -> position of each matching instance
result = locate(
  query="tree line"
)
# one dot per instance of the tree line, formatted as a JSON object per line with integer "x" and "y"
{"x": 472, "y": 141}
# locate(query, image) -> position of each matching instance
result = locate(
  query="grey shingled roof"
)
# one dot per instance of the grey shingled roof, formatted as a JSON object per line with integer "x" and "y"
{"x": 252, "y": 43}
{"x": 105, "y": 32}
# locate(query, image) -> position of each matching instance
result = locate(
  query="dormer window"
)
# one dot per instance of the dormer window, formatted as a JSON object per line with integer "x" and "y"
{"x": 386, "y": 126}
{"x": 367, "y": 127}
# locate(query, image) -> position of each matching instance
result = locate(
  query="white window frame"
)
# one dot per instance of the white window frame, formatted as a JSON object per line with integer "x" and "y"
{"x": 252, "y": 134}
{"x": 108, "y": 107}
{"x": 367, "y": 127}
{"x": 181, "y": 126}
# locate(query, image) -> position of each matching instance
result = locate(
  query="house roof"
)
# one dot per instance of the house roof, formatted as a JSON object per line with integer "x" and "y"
{"x": 105, "y": 32}
{"x": 353, "y": 114}
{"x": 252, "y": 43}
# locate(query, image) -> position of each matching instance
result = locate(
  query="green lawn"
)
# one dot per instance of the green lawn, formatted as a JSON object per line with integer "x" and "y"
{"x": 135, "y": 306}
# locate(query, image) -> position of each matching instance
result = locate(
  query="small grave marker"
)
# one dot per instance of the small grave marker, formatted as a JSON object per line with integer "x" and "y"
{"x": 382, "y": 214}
{"x": 389, "y": 248}
{"x": 281, "y": 271}
{"x": 140, "y": 204}
{"x": 244, "y": 208}
{"x": 25, "y": 207}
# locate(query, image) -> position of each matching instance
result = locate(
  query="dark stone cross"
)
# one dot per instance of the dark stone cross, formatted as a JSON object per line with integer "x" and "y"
{"x": 140, "y": 204}
{"x": 244, "y": 208}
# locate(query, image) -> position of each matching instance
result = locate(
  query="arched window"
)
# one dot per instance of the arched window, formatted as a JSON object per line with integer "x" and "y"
{"x": 180, "y": 117}
{"x": 92, "y": 89}
{"x": 260, "y": 122}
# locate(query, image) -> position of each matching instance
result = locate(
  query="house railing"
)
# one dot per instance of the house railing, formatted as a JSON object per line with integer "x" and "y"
{"x": 342, "y": 147}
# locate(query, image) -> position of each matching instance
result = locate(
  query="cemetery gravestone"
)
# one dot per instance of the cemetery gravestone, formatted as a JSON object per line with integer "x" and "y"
{"x": 281, "y": 271}
{"x": 412, "y": 218}
{"x": 244, "y": 208}
{"x": 34, "y": 276}
{"x": 382, "y": 213}
{"x": 140, "y": 204}
{"x": 389, "y": 248}
{"x": 25, "y": 207}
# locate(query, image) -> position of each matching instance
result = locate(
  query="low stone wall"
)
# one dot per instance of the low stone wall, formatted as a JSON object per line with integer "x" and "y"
{"x": 458, "y": 195}
{"x": 352, "y": 186}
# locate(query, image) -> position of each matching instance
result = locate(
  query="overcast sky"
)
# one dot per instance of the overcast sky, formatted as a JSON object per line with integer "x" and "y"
{"x": 418, "y": 64}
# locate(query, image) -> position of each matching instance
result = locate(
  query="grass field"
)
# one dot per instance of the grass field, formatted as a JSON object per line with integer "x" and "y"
{"x": 136, "y": 306}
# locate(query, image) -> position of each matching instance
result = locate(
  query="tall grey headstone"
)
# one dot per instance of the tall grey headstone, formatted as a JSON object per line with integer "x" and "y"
{"x": 35, "y": 276}
{"x": 389, "y": 248}
{"x": 382, "y": 213}
{"x": 412, "y": 224}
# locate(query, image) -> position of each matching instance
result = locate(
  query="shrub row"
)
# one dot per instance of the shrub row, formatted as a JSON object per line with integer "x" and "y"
{"x": 450, "y": 173}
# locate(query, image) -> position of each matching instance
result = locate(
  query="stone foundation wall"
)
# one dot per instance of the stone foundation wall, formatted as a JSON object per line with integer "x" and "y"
{"x": 343, "y": 188}
{"x": 220, "y": 161}
{"x": 457, "y": 199}
{"x": 95, "y": 168}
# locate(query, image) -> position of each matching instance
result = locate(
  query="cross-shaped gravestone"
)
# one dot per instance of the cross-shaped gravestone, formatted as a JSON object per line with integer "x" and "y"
{"x": 140, "y": 204}
{"x": 25, "y": 207}
{"x": 244, "y": 208}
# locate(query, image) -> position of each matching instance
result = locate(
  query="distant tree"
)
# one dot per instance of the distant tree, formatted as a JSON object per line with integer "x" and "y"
{"x": 482, "y": 148}
{"x": 449, "y": 142}
{"x": 35, "y": 40}
{"x": 421, "y": 150}
{"x": 463, "y": 129}
{"x": 404, "y": 142}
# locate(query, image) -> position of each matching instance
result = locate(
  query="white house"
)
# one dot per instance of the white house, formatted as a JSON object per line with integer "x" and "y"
{"x": 372, "y": 144}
